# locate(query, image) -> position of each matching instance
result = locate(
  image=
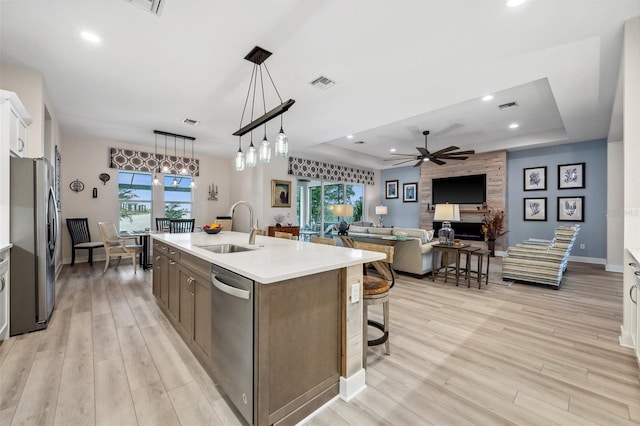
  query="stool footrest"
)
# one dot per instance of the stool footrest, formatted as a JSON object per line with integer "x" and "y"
{"x": 379, "y": 340}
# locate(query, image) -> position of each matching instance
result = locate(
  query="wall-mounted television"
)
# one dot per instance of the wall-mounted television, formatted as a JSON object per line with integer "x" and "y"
{"x": 470, "y": 189}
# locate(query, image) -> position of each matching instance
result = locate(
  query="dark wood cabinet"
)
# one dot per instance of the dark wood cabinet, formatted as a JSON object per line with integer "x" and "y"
{"x": 295, "y": 230}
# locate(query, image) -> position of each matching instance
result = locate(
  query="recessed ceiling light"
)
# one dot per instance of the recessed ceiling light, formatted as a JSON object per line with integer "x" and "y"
{"x": 392, "y": 150}
{"x": 514, "y": 3}
{"x": 514, "y": 125}
{"x": 487, "y": 98}
{"x": 90, "y": 37}
{"x": 349, "y": 136}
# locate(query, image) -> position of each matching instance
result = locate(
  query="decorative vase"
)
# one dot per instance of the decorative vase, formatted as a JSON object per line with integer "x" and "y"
{"x": 491, "y": 244}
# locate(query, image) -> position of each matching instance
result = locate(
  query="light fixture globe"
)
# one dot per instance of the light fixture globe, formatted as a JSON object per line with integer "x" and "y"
{"x": 251, "y": 157}
{"x": 265, "y": 150}
{"x": 240, "y": 160}
{"x": 282, "y": 144}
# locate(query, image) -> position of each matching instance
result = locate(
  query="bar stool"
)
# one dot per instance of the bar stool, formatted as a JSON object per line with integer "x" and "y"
{"x": 479, "y": 274}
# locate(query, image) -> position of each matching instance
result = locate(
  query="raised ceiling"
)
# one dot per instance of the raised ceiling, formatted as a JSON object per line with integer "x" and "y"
{"x": 399, "y": 68}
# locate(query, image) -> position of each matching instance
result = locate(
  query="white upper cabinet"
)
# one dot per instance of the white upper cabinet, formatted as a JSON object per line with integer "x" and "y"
{"x": 15, "y": 123}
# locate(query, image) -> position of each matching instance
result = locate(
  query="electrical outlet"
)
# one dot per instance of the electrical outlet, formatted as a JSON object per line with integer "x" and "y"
{"x": 583, "y": 246}
{"x": 355, "y": 293}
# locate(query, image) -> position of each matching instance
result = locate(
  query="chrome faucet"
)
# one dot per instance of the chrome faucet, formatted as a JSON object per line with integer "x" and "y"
{"x": 252, "y": 226}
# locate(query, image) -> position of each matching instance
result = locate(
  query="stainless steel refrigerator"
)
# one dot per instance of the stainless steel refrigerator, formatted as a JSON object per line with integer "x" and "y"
{"x": 34, "y": 228}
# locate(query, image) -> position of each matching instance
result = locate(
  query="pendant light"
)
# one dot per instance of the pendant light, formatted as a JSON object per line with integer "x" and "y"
{"x": 265, "y": 148}
{"x": 258, "y": 56}
{"x": 193, "y": 175}
{"x": 175, "y": 182}
{"x": 282, "y": 143}
{"x": 252, "y": 155}
{"x": 156, "y": 181}
{"x": 165, "y": 162}
{"x": 184, "y": 170}
{"x": 240, "y": 156}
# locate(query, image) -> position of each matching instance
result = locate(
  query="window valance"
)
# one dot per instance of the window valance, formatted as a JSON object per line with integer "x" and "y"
{"x": 328, "y": 171}
{"x": 128, "y": 159}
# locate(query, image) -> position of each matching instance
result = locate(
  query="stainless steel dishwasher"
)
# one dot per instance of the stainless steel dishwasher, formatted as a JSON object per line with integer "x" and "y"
{"x": 232, "y": 337}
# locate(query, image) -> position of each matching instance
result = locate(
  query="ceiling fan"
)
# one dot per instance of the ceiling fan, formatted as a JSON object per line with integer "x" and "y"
{"x": 435, "y": 157}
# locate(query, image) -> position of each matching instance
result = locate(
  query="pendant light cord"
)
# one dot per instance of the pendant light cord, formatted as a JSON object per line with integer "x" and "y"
{"x": 272, "y": 83}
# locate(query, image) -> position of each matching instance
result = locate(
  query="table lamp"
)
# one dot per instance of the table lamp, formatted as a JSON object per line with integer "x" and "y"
{"x": 446, "y": 213}
{"x": 343, "y": 210}
{"x": 380, "y": 211}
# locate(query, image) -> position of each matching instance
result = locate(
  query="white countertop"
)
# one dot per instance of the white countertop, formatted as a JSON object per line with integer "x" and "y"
{"x": 5, "y": 246}
{"x": 635, "y": 253}
{"x": 274, "y": 259}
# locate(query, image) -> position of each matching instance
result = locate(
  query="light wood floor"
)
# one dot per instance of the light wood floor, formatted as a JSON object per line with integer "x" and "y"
{"x": 505, "y": 354}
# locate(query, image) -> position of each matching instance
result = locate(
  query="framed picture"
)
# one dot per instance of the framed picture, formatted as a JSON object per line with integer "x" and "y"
{"x": 280, "y": 193}
{"x": 535, "y": 179}
{"x": 570, "y": 209}
{"x": 571, "y": 176}
{"x": 535, "y": 209}
{"x": 410, "y": 192}
{"x": 392, "y": 189}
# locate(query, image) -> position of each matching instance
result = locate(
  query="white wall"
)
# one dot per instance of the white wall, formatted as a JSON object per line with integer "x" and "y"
{"x": 631, "y": 131}
{"x": 615, "y": 207}
{"x": 85, "y": 158}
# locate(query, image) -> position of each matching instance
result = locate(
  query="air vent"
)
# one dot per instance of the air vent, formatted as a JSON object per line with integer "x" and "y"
{"x": 153, "y": 6}
{"x": 322, "y": 83}
{"x": 190, "y": 122}
{"x": 508, "y": 105}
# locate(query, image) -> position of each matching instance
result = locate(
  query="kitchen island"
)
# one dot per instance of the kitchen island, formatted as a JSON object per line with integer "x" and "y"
{"x": 306, "y": 332}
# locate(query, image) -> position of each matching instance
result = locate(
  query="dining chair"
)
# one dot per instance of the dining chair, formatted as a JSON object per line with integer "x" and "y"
{"x": 81, "y": 238}
{"x": 285, "y": 235}
{"x": 376, "y": 290}
{"x": 322, "y": 240}
{"x": 162, "y": 223}
{"x": 114, "y": 245}
{"x": 177, "y": 226}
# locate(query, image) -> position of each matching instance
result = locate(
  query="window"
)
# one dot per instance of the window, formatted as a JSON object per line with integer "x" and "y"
{"x": 316, "y": 197}
{"x": 177, "y": 199}
{"x": 135, "y": 199}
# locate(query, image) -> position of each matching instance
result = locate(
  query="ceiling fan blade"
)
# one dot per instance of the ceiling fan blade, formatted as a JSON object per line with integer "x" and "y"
{"x": 406, "y": 155}
{"x": 419, "y": 162}
{"x": 445, "y": 150}
{"x": 438, "y": 162}
{"x": 468, "y": 152}
{"x": 402, "y": 162}
{"x": 423, "y": 151}
{"x": 455, "y": 158}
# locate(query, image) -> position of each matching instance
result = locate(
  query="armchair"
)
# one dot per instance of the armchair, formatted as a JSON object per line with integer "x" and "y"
{"x": 541, "y": 261}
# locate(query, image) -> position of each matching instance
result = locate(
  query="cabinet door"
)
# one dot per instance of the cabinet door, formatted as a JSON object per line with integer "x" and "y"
{"x": 173, "y": 290}
{"x": 185, "y": 310}
{"x": 159, "y": 274}
{"x": 22, "y": 138}
{"x": 202, "y": 316}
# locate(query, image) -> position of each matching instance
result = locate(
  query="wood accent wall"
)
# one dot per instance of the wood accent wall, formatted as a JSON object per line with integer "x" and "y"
{"x": 493, "y": 164}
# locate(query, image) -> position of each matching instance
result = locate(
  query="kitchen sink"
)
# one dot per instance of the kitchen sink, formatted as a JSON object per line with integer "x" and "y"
{"x": 225, "y": 248}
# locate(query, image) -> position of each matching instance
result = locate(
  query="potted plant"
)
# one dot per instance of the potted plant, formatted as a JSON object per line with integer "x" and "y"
{"x": 492, "y": 228}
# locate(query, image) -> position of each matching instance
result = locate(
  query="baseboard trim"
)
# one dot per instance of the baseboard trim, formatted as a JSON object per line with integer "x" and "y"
{"x": 593, "y": 260}
{"x": 614, "y": 268}
{"x": 352, "y": 386}
{"x": 626, "y": 339}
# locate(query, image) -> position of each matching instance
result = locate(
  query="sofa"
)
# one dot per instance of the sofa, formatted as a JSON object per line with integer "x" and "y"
{"x": 412, "y": 255}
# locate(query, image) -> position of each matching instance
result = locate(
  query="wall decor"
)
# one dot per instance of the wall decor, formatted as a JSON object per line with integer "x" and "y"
{"x": 571, "y": 176}
{"x": 213, "y": 192}
{"x": 535, "y": 178}
{"x": 535, "y": 209}
{"x": 76, "y": 186}
{"x": 391, "y": 189}
{"x": 280, "y": 193}
{"x": 570, "y": 209}
{"x": 410, "y": 192}
{"x": 104, "y": 177}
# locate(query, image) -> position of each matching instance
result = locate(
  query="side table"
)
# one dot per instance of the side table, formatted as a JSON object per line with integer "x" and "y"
{"x": 445, "y": 249}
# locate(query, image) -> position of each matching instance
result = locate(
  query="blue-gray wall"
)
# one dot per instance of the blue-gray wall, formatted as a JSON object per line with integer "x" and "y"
{"x": 404, "y": 215}
{"x": 593, "y": 229}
